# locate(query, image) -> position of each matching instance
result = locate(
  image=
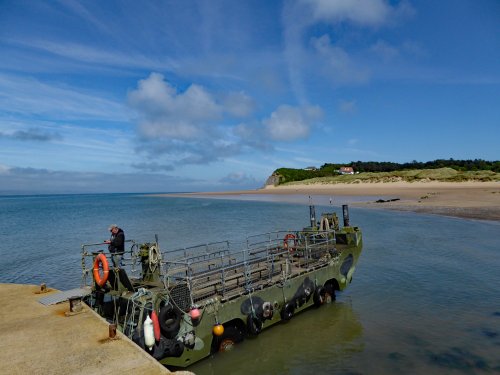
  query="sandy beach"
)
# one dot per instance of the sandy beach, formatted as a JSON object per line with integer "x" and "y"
{"x": 474, "y": 200}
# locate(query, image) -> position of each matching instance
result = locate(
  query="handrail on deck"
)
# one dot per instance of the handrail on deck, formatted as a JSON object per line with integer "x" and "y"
{"x": 208, "y": 273}
{"x": 242, "y": 263}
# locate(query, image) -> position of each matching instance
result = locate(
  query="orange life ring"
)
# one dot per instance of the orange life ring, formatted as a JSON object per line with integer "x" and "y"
{"x": 290, "y": 236}
{"x": 101, "y": 259}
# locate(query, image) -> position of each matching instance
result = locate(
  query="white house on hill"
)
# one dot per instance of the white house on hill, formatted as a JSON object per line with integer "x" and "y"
{"x": 346, "y": 170}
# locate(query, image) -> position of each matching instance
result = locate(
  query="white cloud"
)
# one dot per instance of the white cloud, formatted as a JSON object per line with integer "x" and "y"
{"x": 32, "y": 134}
{"x": 4, "y": 169}
{"x": 386, "y": 51}
{"x": 253, "y": 135}
{"x": 290, "y": 123}
{"x": 16, "y": 180}
{"x": 153, "y": 167}
{"x": 101, "y": 57}
{"x": 362, "y": 12}
{"x": 308, "y": 161}
{"x": 347, "y": 106}
{"x": 22, "y": 95}
{"x": 389, "y": 52}
{"x": 32, "y": 180}
{"x": 414, "y": 49}
{"x": 193, "y": 126}
{"x": 336, "y": 63}
{"x": 238, "y": 179}
{"x": 166, "y": 113}
{"x": 238, "y": 104}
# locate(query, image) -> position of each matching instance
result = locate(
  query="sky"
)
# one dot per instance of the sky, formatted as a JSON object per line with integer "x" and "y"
{"x": 214, "y": 95}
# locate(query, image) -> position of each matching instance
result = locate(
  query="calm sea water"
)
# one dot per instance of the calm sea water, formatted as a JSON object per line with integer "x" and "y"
{"x": 425, "y": 297}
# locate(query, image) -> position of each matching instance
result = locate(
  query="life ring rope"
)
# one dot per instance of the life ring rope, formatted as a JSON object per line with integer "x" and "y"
{"x": 324, "y": 227}
{"x": 101, "y": 261}
{"x": 325, "y": 224}
{"x": 154, "y": 257}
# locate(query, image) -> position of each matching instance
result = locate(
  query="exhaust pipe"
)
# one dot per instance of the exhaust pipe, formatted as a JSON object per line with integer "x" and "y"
{"x": 345, "y": 214}
{"x": 312, "y": 215}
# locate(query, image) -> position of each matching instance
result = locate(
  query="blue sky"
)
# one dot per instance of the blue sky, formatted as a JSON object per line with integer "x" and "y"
{"x": 158, "y": 96}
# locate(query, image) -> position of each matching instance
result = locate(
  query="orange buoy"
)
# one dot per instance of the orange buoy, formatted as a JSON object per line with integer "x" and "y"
{"x": 156, "y": 325}
{"x": 218, "y": 329}
{"x": 101, "y": 259}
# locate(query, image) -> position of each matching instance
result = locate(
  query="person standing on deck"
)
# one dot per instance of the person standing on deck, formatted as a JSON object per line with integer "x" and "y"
{"x": 116, "y": 244}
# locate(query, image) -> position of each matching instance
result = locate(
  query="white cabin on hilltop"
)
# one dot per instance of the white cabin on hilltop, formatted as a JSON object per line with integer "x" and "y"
{"x": 346, "y": 170}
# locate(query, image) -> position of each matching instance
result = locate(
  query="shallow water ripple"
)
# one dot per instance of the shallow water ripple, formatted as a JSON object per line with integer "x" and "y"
{"x": 424, "y": 297}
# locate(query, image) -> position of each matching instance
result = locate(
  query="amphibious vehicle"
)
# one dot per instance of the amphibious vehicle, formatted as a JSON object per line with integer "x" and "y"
{"x": 186, "y": 304}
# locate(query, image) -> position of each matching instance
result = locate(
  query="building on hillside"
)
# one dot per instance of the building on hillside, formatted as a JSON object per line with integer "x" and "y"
{"x": 310, "y": 169}
{"x": 346, "y": 170}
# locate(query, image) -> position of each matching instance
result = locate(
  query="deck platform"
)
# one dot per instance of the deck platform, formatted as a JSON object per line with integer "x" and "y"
{"x": 45, "y": 339}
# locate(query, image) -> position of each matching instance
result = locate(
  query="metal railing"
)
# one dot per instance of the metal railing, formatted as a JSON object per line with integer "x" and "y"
{"x": 89, "y": 251}
{"x": 264, "y": 259}
{"x": 227, "y": 269}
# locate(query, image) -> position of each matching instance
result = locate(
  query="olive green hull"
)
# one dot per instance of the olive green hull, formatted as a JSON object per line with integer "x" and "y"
{"x": 229, "y": 313}
{"x": 200, "y": 300}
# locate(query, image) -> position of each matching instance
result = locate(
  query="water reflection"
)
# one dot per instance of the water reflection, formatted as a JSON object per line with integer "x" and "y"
{"x": 312, "y": 342}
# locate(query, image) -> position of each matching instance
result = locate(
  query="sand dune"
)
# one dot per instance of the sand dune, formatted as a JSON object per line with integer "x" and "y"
{"x": 477, "y": 200}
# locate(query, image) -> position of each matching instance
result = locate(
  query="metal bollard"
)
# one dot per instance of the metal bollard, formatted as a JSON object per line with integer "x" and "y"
{"x": 112, "y": 331}
{"x": 75, "y": 304}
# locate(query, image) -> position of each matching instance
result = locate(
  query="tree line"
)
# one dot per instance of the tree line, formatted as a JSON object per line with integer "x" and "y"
{"x": 332, "y": 169}
{"x": 458, "y": 165}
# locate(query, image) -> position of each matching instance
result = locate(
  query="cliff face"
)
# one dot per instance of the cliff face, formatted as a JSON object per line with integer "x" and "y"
{"x": 273, "y": 180}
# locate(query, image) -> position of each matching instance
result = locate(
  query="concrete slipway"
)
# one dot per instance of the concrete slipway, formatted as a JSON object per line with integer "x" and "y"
{"x": 39, "y": 339}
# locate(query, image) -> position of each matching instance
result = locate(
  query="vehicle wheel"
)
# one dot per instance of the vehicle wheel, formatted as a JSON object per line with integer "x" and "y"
{"x": 226, "y": 345}
{"x": 287, "y": 311}
{"x": 329, "y": 293}
{"x": 319, "y": 296}
{"x": 254, "y": 325}
{"x": 232, "y": 335}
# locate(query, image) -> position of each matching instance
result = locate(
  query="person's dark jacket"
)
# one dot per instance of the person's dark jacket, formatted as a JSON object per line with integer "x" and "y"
{"x": 117, "y": 244}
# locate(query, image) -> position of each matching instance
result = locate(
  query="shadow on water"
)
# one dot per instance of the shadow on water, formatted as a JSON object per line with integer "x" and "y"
{"x": 318, "y": 336}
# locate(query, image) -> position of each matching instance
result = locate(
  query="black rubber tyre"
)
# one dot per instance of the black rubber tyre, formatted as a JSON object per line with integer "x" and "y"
{"x": 287, "y": 311}
{"x": 319, "y": 296}
{"x": 232, "y": 335}
{"x": 330, "y": 293}
{"x": 254, "y": 325}
{"x": 170, "y": 320}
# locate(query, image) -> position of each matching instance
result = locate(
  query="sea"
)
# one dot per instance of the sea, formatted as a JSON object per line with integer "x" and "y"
{"x": 425, "y": 297}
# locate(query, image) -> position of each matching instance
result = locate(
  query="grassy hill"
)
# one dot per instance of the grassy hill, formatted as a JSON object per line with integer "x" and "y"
{"x": 449, "y": 170}
{"x": 439, "y": 174}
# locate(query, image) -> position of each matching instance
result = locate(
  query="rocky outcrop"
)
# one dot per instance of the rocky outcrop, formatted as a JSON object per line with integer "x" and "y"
{"x": 273, "y": 180}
